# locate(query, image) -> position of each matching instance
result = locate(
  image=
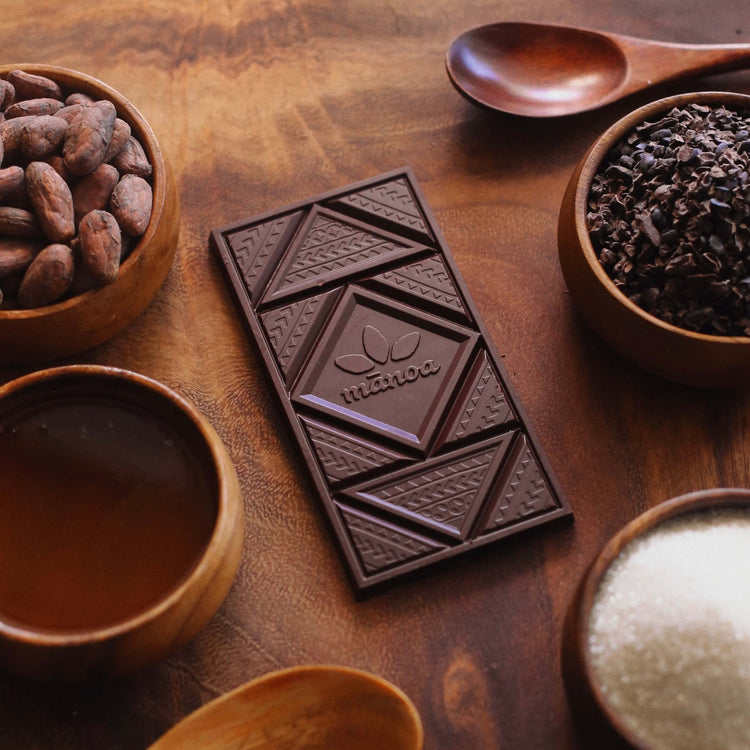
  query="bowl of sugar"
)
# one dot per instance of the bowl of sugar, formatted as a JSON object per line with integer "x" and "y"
{"x": 120, "y": 523}
{"x": 656, "y": 643}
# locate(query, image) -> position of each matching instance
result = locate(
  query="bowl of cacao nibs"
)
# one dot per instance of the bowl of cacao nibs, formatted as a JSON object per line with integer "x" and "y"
{"x": 89, "y": 213}
{"x": 654, "y": 238}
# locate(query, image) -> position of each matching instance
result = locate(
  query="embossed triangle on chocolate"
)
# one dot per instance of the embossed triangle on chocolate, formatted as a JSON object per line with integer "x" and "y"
{"x": 330, "y": 246}
{"x": 442, "y": 494}
{"x": 481, "y": 405}
{"x": 292, "y": 329}
{"x": 344, "y": 456}
{"x": 380, "y": 545}
{"x": 426, "y": 282}
{"x": 256, "y": 248}
{"x": 523, "y": 492}
{"x": 391, "y": 202}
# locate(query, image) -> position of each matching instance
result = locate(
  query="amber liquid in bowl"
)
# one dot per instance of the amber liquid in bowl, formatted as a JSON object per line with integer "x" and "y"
{"x": 104, "y": 510}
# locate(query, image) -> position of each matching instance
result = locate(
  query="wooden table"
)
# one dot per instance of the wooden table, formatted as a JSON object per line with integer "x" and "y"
{"x": 259, "y": 103}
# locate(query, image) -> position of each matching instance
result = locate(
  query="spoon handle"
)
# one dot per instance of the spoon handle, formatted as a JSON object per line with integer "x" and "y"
{"x": 654, "y": 62}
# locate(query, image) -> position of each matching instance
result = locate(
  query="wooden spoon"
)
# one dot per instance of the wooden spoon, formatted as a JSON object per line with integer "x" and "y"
{"x": 541, "y": 70}
{"x": 303, "y": 708}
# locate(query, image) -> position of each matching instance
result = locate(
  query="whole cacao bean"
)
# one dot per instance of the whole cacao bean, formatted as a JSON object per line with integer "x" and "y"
{"x": 131, "y": 204}
{"x": 69, "y": 112}
{"x": 16, "y": 255}
{"x": 48, "y": 277}
{"x": 88, "y": 137}
{"x": 52, "y": 201}
{"x": 30, "y": 86}
{"x": 79, "y": 98}
{"x": 100, "y": 244}
{"x": 7, "y": 93}
{"x": 17, "y": 222}
{"x": 120, "y": 135}
{"x": 11, "y": 181}
{"x": 10, "y": 133}
{"x": 33, "y": 107}
{"x": 131, "y": 159}
{"x": 94, "y": 190}
{"x": 41, "y": 136}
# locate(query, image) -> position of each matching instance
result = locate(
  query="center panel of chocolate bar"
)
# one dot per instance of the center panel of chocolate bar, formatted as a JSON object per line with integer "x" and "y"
{"x": 385, "y": 367}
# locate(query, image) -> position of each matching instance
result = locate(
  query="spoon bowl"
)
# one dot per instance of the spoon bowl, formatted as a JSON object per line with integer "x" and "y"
{"x": 303, "y": 708}
{"x": 546, "y": 70}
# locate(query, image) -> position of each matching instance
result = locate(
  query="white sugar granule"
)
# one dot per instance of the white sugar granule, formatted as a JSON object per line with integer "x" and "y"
{"x": 669, "y": 633}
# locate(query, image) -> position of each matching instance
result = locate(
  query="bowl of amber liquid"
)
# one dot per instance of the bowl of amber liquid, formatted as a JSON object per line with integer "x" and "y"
{"x": 120, "y": 523}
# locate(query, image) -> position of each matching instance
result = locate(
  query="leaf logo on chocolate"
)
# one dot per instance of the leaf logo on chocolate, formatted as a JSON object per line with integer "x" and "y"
{"x": 378, "y": 350}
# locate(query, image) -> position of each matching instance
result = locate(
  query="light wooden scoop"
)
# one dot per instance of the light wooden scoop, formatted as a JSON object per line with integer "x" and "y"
{"x": 312, "y": 707}
{"x": 540, "y": 70}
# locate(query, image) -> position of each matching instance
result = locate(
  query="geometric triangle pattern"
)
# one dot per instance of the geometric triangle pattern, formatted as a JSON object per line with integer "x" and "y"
{"x": 480, "y": 406}
{"x": 428, "y": 281}
{"x": 330, "y": 246}
{"x": 343, "y": 456}
{"x": 392, "y": 201}
{"x": 524, "y": 492}
{"x": 255, "y": 246}
{"x": 441, "y": 494}
{"x": 291, "y": 329}
{"x": 381, "y": 545}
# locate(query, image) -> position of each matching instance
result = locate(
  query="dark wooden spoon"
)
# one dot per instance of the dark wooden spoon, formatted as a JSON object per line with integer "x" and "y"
{"x": 540, "y": 70}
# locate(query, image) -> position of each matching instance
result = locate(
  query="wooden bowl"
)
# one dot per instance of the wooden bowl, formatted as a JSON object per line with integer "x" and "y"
{"x": 657, "y": 347}
{"x": 146, "y": 513}
{"x": 81, "y": 322}
{"x": 599, "y": 724}
{"x": 303, "y": 708}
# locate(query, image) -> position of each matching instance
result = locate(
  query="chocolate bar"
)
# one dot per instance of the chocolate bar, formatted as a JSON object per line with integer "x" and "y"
{"x": 416, "y": 443}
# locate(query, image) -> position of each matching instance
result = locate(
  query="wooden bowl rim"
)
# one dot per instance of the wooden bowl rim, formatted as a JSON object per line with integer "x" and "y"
{"x": 155, "y": 155}
{"x": 589, "y": 166}
{"x": 693, "y": 502}
{"x": 112, "y": 376}
{"x": 315, "y": 670}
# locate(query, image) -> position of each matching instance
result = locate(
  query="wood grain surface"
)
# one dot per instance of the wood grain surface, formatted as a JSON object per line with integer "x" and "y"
{"x": 260, "y": 103}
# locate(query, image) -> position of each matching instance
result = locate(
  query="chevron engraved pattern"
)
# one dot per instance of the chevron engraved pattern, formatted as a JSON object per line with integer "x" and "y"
{"x": 392, "y": 201}
{"x": 380, "y": 545}
{"x": 331, "y": 245}
{"x": 448, "y": 493}
{"x": 428, "y": 280}
{"x": 343, "y": 456}
{"x": 484, "y": 403}
{"x": 253, "y": 246}
{"x": 524, "y": 494}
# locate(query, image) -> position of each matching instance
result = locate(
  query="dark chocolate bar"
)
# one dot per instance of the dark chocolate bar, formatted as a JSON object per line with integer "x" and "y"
{"x": 416, "y": 443}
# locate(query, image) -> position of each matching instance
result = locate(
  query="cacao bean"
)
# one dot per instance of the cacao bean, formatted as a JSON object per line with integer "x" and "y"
{"x": 7, "y": 93}
{"x": 69, "y": 112}
{"x": 94, "y": 190}
{"x": 16, "y": 255}
{"x": 10, "y": 133}
{"x": 131, "y": 204}
{"x": 33, "y": 107}
{"x": 79, "y": 98}
{"x": 52, "y": 201}
{"x": 99, "y": 243}
{"x": 17, "y": 222}
{"x": 48, "y": 277}
{"x": 30, "y": 86}
{"x": 11, "y": 181}
{"x": 131, "y": 159}
{"x": 57, "y": 163}
{"x": 120, "y": 135}
{"x": 88, "y": 137}
{"x": 41, "y": 136}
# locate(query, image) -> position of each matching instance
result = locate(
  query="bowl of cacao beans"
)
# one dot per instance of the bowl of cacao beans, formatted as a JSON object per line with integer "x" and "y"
{"x": 654, "y": 238}
{"x": 121, "y": 523}
{"x": 89, "y": 213}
